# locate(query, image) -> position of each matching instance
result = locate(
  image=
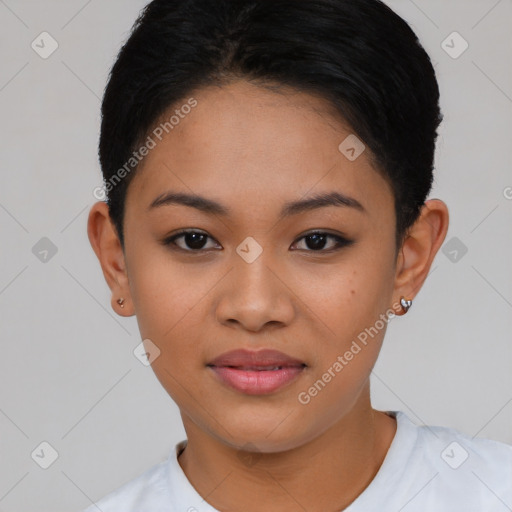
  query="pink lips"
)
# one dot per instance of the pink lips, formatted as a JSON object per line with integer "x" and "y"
{"x": 256, "y": 373}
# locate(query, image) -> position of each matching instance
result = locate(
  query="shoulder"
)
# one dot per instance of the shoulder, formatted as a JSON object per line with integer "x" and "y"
{"x": 473, "y": 469}
{"x": 458, "y": 448}
{"x": 149, "y": 491}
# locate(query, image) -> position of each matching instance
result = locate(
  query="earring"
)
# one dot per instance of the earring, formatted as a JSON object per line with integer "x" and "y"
{"x": 121, "y": 302}
{"x": 405, "y": 303}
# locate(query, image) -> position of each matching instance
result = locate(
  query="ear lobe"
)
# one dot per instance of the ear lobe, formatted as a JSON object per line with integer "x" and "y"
{"x": 105, "y": 242}
{"x": 420, "y": 247}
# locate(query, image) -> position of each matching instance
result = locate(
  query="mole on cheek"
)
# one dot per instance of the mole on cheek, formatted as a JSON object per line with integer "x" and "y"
{"x": 352, "y": 292}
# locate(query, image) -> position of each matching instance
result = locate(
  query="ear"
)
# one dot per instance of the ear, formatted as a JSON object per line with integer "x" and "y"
{"x": 107, "y": 246}
{"x": 415, "y": 257}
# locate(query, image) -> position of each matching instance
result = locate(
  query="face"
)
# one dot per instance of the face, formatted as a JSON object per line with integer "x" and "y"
{"x": 254, "y": 274}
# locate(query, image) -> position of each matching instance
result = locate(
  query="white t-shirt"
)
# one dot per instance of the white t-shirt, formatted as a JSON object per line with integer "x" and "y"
{"x": 426, "y": 469}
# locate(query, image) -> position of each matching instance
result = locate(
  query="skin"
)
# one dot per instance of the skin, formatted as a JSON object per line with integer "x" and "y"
{"x": 254, "y": 150}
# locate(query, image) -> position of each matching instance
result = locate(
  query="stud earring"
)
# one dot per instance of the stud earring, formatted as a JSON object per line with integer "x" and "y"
{"x": 121, "y": 302}
{"x": 405, "y": 303}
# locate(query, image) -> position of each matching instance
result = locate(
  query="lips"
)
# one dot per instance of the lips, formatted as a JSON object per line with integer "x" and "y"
{"x": 256, "y": 361}
{"x": 256, "y": 373}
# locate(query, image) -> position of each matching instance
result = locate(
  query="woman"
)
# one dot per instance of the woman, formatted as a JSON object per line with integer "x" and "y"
{"x": 267, "y": 166}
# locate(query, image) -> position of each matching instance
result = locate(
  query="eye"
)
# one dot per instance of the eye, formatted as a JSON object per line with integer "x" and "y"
{"x": 195, "y": 240}
{"x": 317, "y": 241}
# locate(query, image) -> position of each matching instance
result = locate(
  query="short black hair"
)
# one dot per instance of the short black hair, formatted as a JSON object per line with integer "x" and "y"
{"x": 359, "y": 55}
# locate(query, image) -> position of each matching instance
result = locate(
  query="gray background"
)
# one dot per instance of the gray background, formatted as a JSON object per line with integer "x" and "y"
{"x": 68, "y": 375}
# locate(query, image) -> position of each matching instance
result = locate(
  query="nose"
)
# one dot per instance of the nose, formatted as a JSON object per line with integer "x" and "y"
{"x": 255, "y": 296}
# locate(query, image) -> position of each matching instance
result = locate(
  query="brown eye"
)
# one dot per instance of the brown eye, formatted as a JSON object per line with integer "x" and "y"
{"x": 193, "y": 241}
{"x": 318, "y": 241}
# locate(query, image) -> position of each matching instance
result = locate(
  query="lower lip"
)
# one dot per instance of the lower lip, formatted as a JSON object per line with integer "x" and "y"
{"x": 256, "y": 382}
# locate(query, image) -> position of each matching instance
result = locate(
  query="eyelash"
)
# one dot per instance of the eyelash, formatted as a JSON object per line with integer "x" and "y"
{"x": 340, "y": 241}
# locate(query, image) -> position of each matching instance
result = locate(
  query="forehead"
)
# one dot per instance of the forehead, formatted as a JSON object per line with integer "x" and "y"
{"x": 249, "y": 145}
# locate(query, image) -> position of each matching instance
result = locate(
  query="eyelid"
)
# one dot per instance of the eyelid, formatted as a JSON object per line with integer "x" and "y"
{"x": 169, "y": 240}
{"x": 319, "y": 231}
{"x": 341, "y": 240}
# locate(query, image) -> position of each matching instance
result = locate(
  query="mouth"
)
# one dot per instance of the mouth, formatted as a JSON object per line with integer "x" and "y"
{"x": 256, "y": 368}
{"x": 257, "y": 381}
{"x": 256, "y": 373}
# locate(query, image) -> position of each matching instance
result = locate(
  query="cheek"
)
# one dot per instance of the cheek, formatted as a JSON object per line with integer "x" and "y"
{"x": 350, "y": 307}
{"x": 349, "y": 296}
{"x": 348, "y": 301}
{"x": 164, "y": 295}
{"x": 169, "y": 301}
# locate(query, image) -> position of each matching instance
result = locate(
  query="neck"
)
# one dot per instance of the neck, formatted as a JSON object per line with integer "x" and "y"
{"x": 326, "y": 473}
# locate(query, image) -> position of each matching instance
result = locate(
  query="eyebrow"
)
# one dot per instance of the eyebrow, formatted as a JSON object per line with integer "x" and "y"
{"x": 212, "y": 207}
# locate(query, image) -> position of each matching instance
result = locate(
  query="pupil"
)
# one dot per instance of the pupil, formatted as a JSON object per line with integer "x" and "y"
{"x": 192, "y": 240}
{"x": 318, "y": 241}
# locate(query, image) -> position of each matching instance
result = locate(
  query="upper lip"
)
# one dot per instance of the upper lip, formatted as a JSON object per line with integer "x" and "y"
{"x": 249, "y": 358}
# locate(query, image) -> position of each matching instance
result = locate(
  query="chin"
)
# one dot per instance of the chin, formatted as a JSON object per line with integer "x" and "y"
{"x": 263, "y": 436}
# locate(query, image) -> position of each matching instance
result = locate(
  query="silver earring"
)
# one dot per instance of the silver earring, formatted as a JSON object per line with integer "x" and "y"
{"x": 121, "y": 302}
{"x": 405, "y": 303}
